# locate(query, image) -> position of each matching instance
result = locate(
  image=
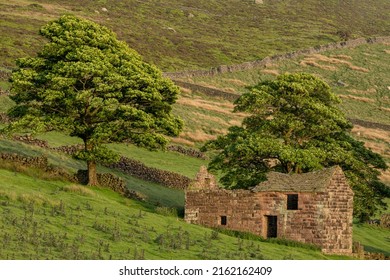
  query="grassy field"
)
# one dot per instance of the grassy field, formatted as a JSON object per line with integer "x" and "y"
{"x": 199, "y": 34}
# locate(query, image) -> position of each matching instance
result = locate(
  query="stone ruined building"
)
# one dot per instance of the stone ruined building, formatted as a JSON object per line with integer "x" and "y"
{"x": 313, "y": 207}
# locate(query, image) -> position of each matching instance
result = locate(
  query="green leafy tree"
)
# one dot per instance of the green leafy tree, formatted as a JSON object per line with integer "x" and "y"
{"x": 294, "y": 126}
{"x": 87, "y": 83}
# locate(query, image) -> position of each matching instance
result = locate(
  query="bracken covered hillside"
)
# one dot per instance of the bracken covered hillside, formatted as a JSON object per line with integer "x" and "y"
{"x": 196, "y": 34}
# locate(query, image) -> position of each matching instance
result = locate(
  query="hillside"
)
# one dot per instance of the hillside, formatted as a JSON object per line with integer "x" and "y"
{"x": 357, "y": 75}
{"x": 199, "y": 34}
{"x": 47, "y": 217}
{"x": 44, "y": 216}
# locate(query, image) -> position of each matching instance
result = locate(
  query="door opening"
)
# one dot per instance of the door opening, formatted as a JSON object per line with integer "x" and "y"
{"x": 272, "y": 226}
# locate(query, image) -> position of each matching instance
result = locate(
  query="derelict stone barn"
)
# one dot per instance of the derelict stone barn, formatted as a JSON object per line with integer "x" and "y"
{"x": 313, "y": 207}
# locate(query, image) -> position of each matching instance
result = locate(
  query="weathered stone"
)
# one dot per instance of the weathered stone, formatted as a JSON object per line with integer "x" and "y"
{"x": 140, "y": 170}
{"x": 187, "y": 151}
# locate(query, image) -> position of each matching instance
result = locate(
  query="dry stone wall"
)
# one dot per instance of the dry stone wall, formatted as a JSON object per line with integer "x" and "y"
{"x": 31, "y": 141}
{"x": 105, "y": 179}
{"x": 140, "y": 170}
{"x": 261, "y": 63}
{"x": 187, "y": 151}
{"x": 368, "y": 124}
{"x": 68, "y": 149}
{"x": 208, "y": 91}
{"x": 40, "y": 162}
{"x": 127, "y": 165}
{"x": 111, "y": 181}
{"x": 360, "y": 253}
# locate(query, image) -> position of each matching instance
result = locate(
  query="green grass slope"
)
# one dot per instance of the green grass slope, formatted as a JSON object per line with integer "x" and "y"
{"x": 154, "y": 193}
{"x": 203, "y": 33}
{"x": 374, "y": 238}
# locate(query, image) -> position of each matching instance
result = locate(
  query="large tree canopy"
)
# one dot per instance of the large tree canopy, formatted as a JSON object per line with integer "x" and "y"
{"x": 90, "y": 85}
{"x": 294, "y": 125}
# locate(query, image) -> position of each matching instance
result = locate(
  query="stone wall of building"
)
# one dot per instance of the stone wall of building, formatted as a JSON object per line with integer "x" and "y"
{"x": 321, "y": 218}
{"x": 304, "y": 224}
{"x": 248, "y": 211}
{"x": 208, "y": 206}
{"x": 338, "y": 219}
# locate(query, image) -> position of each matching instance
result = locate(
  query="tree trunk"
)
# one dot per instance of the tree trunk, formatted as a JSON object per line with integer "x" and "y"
{"x": 91, "y": 165}
{"x": 92, "y": 175}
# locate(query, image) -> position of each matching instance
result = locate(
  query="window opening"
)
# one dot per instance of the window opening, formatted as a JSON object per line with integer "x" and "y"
{"x": 292, "y": 202}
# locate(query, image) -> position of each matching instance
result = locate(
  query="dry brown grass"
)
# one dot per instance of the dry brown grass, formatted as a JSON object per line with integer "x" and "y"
{"x": 36, "y": 199}
{"x": 185, "y": 90}
{"x": 230, "y": 90}
{"x": 369, "y": 91}
{"x": 358, "y": 98}
{"x": 387, "y": 51}
{"x": 224, "y": 108}
{"x": 236, "y": 122}
{"x": 11, "y": 195}
{"x": 50, "y": 11}
{"x": 312, "y": 60}
{"x": 385, "y": 176}
{"x": 341, "y": 56}
{"x": 198, "y": 136}
{"x": 270, "y": 65}
{"x": 78, "y": 189}
{"x": 179, "y": 140}
{"x": 372, "y": 133}
{"x": 270, "y": 72}
{"x": 379, "y": 148}
{"x": 225, "y": 104}
{"x": 211, "y": 118}
{"x": 385, "y": 109}
{"x": 219, "y": 131}
{"x": 315, "y": 64}
{"x": 29, "y": 198}
{"x": 236, "y": 82}
{"x": 357, "y": 68}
